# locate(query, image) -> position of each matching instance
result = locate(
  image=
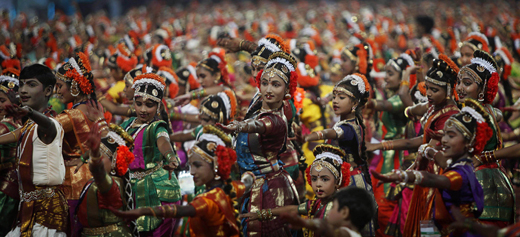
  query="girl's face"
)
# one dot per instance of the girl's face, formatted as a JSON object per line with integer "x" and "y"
{"x": 206, "y": 79}
{"x": 467, "y": 88}
{"x": 466, "y": 54}
{"x": 273, "y": 88}
{"x": 348, "y": 65}
{"x": 4, "y": 101}
{"x": 129, "y": 91}
{"x": 392, "y": 78}
{"x": 342, "y": 103}
{"x": 255, "y": 69}
{"x": 201, "y": 170}
{"x": 63, "y": 92}
{"x": 453, "y": 142}
{"x": 436, "y": 94}
{"x": 146, "y": 110}
{"x": 323, "y": 182}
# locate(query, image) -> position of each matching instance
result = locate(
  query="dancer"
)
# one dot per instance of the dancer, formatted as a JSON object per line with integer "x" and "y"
{"x": 259, "y": 142}
{"x": 151, "y": 182}
{"x": 211, "y": 213}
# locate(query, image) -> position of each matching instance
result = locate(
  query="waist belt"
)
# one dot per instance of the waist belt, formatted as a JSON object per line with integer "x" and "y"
{"x": 141, "y": 174}
{"x": 37, "y": 194}
{"x": 101, "y": 230}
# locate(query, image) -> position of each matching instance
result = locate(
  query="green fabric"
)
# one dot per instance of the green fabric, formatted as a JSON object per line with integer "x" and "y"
{"x": 56, "y": 105}
{"x": 499, "y": 197}
{"x": 157, "y": 187}
{"x": 394, "y": 121}
{"x": 9, "y": 210}
{"x": 294, "y": 171}
{"x": 5, "y": 149}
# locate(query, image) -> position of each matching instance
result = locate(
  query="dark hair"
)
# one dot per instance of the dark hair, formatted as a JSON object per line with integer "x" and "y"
{"x": 41, "y": 72}
{"x": 360, "y": 204}
{"x": 212, "y": 64}
{"x": 60, "y": 73}
{"x": 426, "y": 22}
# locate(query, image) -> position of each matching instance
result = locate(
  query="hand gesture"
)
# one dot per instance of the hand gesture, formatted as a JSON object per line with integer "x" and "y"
{"x": 251, "y": 215}
{"x": 386, "y": 178}
{"x": 17, "y": 111}
{"x": 127, "y": 215}
{"x": 295, "y": 221}
{"x": 232, "y": 45}
{"x": 230, "y": 128}
{"x": 94, "y": 140}
{"x": 182, "y": 100}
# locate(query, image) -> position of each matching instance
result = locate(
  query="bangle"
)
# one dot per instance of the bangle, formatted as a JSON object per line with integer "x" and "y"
{"x": 101, "y": 98}
{"x": 153, "y": 212}
{"x": 429, "y": 149}
{"x": 320, "y": 135}
{"x": 405, "y": 83}
{"x": 418, "y": 177}
{"x": 478, "y": 159}
{"x": 517, "y": 132}
{"x": 94, "y": 159}
{"x": 83, "y": 159}
{"x": 14, "y": 134}
{"x": 375, "y": 103}
{"x": 193, "y": 95}
{"x": 405, "y": 181}
{"x": 202, "y": 93}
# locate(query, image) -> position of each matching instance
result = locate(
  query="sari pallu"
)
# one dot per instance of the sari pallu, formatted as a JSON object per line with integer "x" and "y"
{"x": 314, "y": 209}
{"x": 151, "y": 184}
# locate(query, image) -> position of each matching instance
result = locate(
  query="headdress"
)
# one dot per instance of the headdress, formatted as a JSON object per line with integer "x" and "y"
{"x": 125, "y": 58}
{"x": 116, "y": 145}
{"x": 220, "y": 107}
{"x": 266, "y": 46}
{"x": 483, "y": 71}
{"x": 149, "y": 86}
{"x": 8, "y": 58}
{"x": 216, "y": 63}
{"x": 77, "y": 71}
{"x": 402, "y": 62}
{"x": 281, "y": 64}
{"x": 188, "y": 77}
{"x": 504, "y": 59}
{"x": 475, "y": 41}
{"x": 420, "y": 92}
{"x": 473, "y": 122}
{"x": 357, "y": 80}
{"x": 443, "y": 73}
{"x": 213, "y": 146}
{"x": 161, "y": 56}
{"x": 304, "y": 51}
{"x": 9, "y": 80}
{"x": 139, "y": 70}
{"x": 362, "y": 55}
{"x": 330, "y": 157}
{"x": 171, "y": 80}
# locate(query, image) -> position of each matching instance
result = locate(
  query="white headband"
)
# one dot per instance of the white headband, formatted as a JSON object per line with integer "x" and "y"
{"x": 192, "y": 71}
{"x": 420, "y": 97}
{"x": 158, "y": 52}
{"x": 154, "y": 82}
{"x": 216, "y": 58}
{"x": 227, "y": 103}
{"x": 4, "y": 78}
{"x": 329, "y": 155}
{"x": 480, "y": 35}
{"x": 473, "y": 113}
{"x": 212, "y": 138}
{"x": 504, "y": 56}
{"x": 408, "y": 59}
{"x": 355, "y": 81}
{"x": 269, "y": 45}
{"x": 167, "y": 75}
{"x": 129, "y": 43}
{"x": 118, "y": 139}
{"x": 282, "y": 61}
{"x": 487, "y": 65}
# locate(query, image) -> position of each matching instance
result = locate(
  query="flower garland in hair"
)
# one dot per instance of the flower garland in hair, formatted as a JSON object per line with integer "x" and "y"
{"x": 492, "y": 83}
{"x": 269, "y": 45}
{"x": 123, "y": 159}
{"x": 76, "y": 74}
{"x": 125, "y": 60}
{"x": 222, "y": 65}
{"x": 226, "y": 157}
{"x": 158, "y": 60}
{"x": 233, "y": 102}
{"x": 508, "y": 59}
{"x": 483, "y": 132}
{"x": 299, "y": 96}
{"x": 480, "y": 38}
{"x": 149, "y": 78}
{"x": 362, "y": 58}
{"x": 281, "y": 43}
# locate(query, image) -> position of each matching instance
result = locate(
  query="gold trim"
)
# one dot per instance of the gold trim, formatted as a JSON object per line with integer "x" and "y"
{"x": 394, "y": 64}
{"x": 202, "y": 154}
{"x": 320, "y": 163}
{"x": 129, "y": 78}
{"x": 271, "y": 72}
{"x": 257, "y": 61}
{"x": 459, "y": 126}
{"x": 435, "y": 81}
{"x": 101, "y": 230}
{"x": 4, "y": 89}
{"x": 147, "y": 96}
{"x": 472, "y": 46}
{"x": 206, "y": 66}
{"x": 472, "y": 74}
{"x": 207, "y": 112}
{"x": 350, "y": 55}
{"x": 343, "y": 90}
{"x": 62, "y": 77}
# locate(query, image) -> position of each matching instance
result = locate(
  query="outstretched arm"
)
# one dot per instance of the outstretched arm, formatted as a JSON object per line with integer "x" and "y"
{"x": 122, "y": 110}
{"x": 424, "y": 178}
{"x": 166, "y": 211}
{"x": 46, "y": 129}
{"x": 401, "y": 144}
{"x": 328, "y": 133}
{"x": 11, "y": 137}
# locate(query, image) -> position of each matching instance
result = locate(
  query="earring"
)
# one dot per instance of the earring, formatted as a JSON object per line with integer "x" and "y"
{"x": 287, "y": 96}
{"x": 481, "y": 97}
{"x": 471, "y": 150}
{"x": 217, "y": 177}
{"x": 74, "y": 90}
{"x": 354, "y": 109}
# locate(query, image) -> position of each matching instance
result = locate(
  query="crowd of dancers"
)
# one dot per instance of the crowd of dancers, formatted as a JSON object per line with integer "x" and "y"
{"x": 309, "y": 119}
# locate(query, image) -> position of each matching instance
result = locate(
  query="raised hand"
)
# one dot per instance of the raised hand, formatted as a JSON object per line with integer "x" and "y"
{"x": 182, "y": 100}
{"x": 94, "y": 140}
{"x": 230, "y": 128}
{"x": 232, "y": 45}
{"x": 17, "y": 111}
{"x": 386, "y": 178}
